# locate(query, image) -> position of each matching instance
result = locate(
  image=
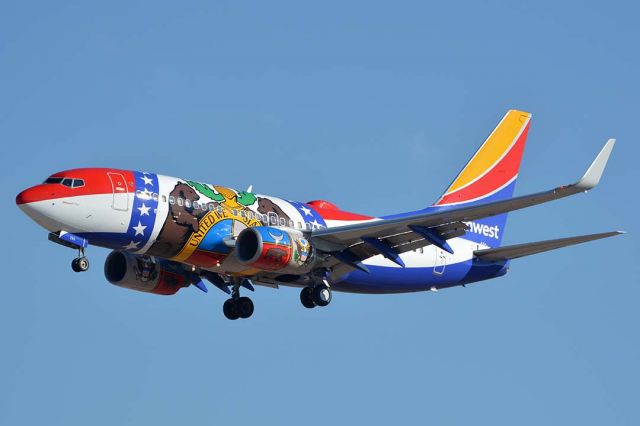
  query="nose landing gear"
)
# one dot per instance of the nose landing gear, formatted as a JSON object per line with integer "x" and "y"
{"x": 80, "y": 264}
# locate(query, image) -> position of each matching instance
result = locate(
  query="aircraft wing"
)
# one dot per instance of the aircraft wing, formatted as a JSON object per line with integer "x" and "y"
{"x": 352, "y": 243}
{"x": 527, "y": 249}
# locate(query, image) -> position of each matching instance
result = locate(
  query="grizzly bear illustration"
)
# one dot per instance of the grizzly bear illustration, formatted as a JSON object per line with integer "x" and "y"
{"x": 265, "y": 206}
{"x": 180, "y": 223}
{"x": 275, "y": 255}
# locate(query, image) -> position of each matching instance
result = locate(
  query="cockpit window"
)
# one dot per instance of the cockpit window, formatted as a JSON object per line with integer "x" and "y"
{"x": 70, "y": 182}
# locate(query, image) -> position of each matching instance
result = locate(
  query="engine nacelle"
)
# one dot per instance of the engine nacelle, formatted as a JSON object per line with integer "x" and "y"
{"x": 274, "y": 249}
{"x": 145, "y": 273}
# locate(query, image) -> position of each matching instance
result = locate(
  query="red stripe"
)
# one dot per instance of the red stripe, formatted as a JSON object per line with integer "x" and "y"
{"x": 329, "y": 211}
{"x": 341, "y": 215}
{"x": 96, "y": 181}
{"x": 498, "y": 176}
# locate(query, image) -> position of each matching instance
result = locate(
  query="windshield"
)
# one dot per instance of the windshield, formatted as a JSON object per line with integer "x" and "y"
{"x": 70, "y": 182}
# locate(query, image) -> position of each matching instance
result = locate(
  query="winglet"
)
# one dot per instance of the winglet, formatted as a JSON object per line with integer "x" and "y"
{"x": 592, "y": 177}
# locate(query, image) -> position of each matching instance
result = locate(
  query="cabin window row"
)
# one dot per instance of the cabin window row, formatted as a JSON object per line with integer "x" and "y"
{"x": 268, "y": 219}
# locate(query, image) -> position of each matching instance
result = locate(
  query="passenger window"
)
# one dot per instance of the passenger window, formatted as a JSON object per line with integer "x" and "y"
{"x": 220, "y": 209}
{"x": 139, "y": 193}
{"x": 172, "y": 199}
{"x": 155, "y": 197}
{"x": 211, "y": 207}
{"x": 196, "y": 205}
{"x": 291, "y": 225}
{"x": 299, "y": 225}
{"x": 187, "y": 203}
{"x": 234, "y": 212}
{"x": 308, "y": 225}
{"x": 421, "y": 250}
{"x": 164, "y": 198}
{"x": 180, "y": 202}
{"x": 273, "y": 218}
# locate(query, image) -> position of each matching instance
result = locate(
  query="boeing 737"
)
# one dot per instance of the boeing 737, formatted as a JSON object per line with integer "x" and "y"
{"x": 167, "y": 233}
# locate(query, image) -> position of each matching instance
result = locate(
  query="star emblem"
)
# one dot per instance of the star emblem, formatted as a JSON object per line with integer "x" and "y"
{"x": 147, "y": 180}
{"x": 144, "y": 210}
{"x": 139, "y": 229}
{"x": 307, "y": 211}
{"x": 131, "y": 246}
{"x": 315, "y": 223}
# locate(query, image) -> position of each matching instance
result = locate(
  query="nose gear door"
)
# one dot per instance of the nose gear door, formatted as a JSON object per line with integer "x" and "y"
{"x": 120, "y": 195}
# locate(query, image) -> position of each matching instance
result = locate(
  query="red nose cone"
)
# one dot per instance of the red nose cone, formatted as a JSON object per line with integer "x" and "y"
{"x": 35, "y": 193}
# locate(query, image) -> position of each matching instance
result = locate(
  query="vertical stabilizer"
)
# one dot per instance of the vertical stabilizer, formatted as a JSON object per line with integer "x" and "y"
{"x": 491, "y": 175}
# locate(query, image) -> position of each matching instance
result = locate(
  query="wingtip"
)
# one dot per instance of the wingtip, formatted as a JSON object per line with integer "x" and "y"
{"x": 593, "y": 174}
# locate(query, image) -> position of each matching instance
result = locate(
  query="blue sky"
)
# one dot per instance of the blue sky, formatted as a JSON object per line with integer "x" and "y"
{"x": 375, "y": 107}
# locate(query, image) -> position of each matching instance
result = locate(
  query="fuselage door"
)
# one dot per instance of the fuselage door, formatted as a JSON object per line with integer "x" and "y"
{"x": 441, "y": 261}
{"x": 120, "y": 195}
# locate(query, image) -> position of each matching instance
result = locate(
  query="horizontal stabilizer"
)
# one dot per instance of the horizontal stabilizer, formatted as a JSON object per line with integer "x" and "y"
{"x": 521, "y": 250}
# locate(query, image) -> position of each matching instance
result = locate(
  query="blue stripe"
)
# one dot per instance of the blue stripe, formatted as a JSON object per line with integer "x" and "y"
{"x": 141, "y": 222}
{"x": 383, "y": 279}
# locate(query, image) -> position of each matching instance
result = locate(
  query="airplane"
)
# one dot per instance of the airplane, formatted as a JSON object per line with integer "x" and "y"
{"x": 168, "y": 233}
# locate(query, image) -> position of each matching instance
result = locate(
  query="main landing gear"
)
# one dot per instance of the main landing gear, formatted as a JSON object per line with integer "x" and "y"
{"x": 318, "y": 295}
{"x": 237, "y": 307}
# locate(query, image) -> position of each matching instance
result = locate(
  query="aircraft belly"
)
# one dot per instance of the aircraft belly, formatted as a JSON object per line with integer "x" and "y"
{"x": 383, "y": 279}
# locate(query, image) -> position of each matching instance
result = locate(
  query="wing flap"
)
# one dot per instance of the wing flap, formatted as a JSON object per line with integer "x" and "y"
{"x": 527, "y": 249}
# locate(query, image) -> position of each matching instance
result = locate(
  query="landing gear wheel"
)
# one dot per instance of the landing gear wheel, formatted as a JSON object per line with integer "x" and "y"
{"x": 321, "y": 295}
{"x": 229, "y": 309}
{"x": 81, "y": 264}
{"x": 244, "y": 307}
{"x": 306, "y": 297}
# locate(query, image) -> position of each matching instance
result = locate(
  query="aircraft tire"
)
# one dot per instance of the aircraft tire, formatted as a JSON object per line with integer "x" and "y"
{"x": 306, "y": 297}
{"x": 244, "y": 307}
{"x": 229, "y": 309}
{"x": 321, "y": 295}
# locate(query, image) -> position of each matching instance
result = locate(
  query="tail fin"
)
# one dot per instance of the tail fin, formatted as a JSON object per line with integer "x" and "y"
{"x": 491, "y": 175}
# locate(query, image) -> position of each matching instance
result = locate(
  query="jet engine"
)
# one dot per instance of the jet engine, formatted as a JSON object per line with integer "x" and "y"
{"x": 146, "y": 273}
{"x": 274, "y": 249}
